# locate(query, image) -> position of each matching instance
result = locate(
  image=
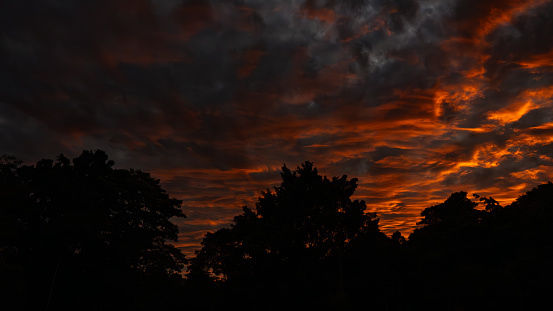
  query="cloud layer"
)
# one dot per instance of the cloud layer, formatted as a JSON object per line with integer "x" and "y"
{"x": 417, "y": 99}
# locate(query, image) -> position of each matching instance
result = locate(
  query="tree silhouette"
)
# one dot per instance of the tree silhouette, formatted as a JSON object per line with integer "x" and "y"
{"x": 499, "y": 257}
{"x": 298, "y": 237}
{"x": 522, "y": 237}
{"x": 447, "y": 253}
{"x": 456, "y": 210}
{"x": 85, "y": 233}
{"x": 82, "y": 234}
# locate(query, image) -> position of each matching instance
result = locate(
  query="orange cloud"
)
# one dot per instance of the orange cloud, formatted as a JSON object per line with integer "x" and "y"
{"x": 322, "y": 14}
{"x": 511, "y": 113}
{"x": 539, "y": 63}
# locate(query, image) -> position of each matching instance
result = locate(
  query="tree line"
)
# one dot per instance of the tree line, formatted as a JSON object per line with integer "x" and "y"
{"x": 88, "y": 236}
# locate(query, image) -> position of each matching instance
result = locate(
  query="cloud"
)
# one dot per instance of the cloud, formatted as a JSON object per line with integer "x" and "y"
{"x": 417, "y": 99}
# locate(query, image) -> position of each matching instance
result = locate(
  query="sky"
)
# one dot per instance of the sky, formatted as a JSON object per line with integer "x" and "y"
{"x": 416, "y": 99}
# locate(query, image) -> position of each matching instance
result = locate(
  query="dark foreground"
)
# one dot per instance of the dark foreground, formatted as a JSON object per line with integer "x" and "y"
{"x": 85, "y": 236}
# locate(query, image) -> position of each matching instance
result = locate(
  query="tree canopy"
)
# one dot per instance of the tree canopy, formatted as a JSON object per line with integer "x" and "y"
{"x": 309, "y": 242}
{"x": 492, "y": 257}
{"x": 85, "y": 235}
{"x": 71, "y": 229}
{"x": 299, "y": 236}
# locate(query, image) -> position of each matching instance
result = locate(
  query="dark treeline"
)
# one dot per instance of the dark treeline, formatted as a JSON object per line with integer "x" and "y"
{"x": 307, "y": 245}
{"x": 87, "y": 236}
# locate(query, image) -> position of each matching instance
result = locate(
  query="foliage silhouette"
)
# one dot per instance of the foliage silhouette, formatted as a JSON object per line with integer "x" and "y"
{"x": 86, "y": 235}
{"x": 498, "y": 257}
{"x": 463, "y": 258}
{"x": 445, "y": 251}
{"x": 300, "y": 242}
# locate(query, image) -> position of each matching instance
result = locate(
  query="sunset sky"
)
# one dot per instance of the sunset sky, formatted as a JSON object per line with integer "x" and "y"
{"x": 417, "y": 99}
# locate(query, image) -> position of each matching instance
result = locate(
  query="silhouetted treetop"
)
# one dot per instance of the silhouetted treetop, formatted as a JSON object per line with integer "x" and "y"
{"x": 539, "y": 197}
{"x": 457, "y": 208}
{"x": 311, "y": 211}
{"x": 531, "y": 213}
{"x": 96, "y": 220}
{"x": 397, "y": 238}
{"x": 496, "y": 258}
{"x": 307, "y": 217}
{"x": 491, "y": 204}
